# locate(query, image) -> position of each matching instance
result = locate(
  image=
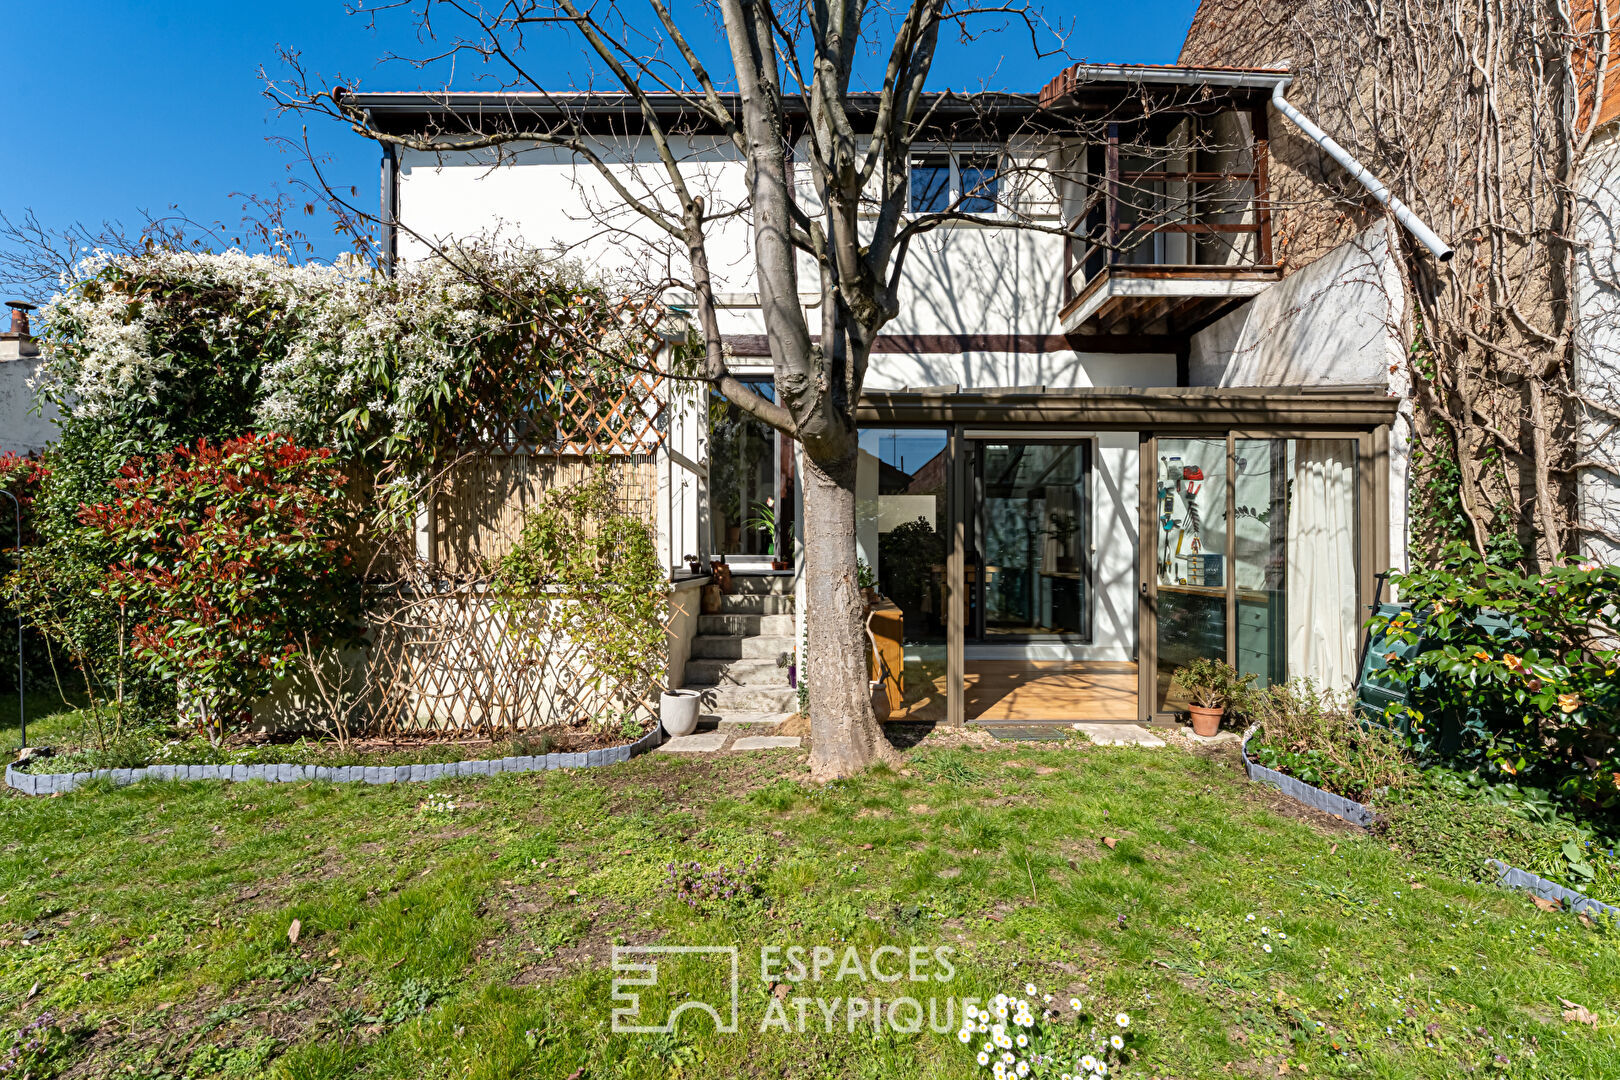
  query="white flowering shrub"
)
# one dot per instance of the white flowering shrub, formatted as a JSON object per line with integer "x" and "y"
{"x": 396, "y": 376}
{"x": 168, "y": 346}
{"x": 1014, "y": 1038}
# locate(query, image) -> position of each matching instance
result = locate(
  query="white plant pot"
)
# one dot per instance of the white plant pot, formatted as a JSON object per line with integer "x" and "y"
{"x": 678, "y": 711}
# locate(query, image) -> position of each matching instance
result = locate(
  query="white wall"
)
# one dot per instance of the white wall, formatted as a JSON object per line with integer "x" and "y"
{"x": 20, "y": 430}
{"x": 1597, "y": 343}
{"x": 1334, "y": 322}
{"x": 959, "y": 279}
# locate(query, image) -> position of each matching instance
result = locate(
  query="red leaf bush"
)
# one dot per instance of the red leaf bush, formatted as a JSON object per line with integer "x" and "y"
{"x": 231, "y": 558}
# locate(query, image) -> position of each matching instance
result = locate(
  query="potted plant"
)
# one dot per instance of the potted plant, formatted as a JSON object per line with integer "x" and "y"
{"x": 678, "y": 711}
{"x": 866, "y": 581}
{"x": 764, "y": 520}
{"x": 1213, "y": 685}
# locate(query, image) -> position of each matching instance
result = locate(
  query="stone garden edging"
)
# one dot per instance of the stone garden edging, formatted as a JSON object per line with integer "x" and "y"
{"x": 1511, "y": 877}
{"x": 1507, "y": 877}
{"x": 53, "y": 783}
{"x": 1337, "y": 805}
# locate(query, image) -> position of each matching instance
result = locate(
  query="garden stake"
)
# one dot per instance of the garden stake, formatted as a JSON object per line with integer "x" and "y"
{"x": 22, "y": 713}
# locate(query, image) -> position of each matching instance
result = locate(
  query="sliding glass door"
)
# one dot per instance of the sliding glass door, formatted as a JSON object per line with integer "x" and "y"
{"x": 1031, "y": 560}
{"x": 1189, "y": 557}
{"x": 1250, "y": 555}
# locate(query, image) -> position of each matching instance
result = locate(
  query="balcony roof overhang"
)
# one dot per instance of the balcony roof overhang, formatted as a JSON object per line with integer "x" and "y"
{"x": 1161, "y": 300}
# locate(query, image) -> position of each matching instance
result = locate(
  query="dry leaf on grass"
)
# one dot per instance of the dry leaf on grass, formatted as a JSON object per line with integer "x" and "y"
{"x": 1544, "y": 904}
{"x": 292, "y": 931}
{"x": 1577, "y": 1014}
{"x": 1110, "y": 841}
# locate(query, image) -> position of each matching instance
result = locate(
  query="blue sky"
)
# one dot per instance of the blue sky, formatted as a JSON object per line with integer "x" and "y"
{"x": 118, "y": 107}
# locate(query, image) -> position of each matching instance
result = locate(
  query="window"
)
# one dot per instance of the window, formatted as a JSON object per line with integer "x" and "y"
{"x": 931, "y": 184}
{"x": 963, "y": 180}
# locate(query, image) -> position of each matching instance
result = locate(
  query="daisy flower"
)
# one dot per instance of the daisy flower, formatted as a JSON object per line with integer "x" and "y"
{"x": 1022, "y": 1068}
{"x": 1117, "y": 1042}
{"x": 1029, "y": 988}
{"x": 964, "y": 1036}
{"x": 1022, "y": 1040}
{"x": 984, "y": 1058}
{"x": 1074, "y": 1003}
{"x": 1122, "y": 1019}
{"x": 1266, "y": 947}
{"x": 1088, "y": 1063}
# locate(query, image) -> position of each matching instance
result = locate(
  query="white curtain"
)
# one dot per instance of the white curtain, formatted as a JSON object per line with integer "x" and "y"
{"x": 1322, "y": 623}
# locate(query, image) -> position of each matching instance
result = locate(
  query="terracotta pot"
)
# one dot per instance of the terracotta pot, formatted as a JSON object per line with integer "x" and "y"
{"x": 1205, "y": 722}
{"x": 711, "y": 599}
{"x": 781, "y": 564}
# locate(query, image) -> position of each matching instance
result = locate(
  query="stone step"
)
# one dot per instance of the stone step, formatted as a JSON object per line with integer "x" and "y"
{"x": 757, "y": 604}
{"x": 762, "y": 584}
{"x": 733, "y": 700}
{"x": 735, "y": 673}
{"x": 731, "y": 647}
{"x": 746, "y": 625}
{"x": 753, "y": 723}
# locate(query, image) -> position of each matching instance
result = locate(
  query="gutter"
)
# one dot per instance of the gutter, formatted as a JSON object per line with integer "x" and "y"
{"x": 1375, "y": 187}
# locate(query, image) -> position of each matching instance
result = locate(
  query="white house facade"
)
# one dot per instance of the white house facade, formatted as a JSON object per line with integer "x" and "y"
{"x": 1106, "y": 433}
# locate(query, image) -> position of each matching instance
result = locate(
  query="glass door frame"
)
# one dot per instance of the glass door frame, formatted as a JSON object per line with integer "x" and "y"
{"x": 973, "y": 465}
{"x": 1371, "y": 544}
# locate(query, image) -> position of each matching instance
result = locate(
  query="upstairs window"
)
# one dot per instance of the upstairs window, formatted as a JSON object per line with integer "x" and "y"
{"x": 931, "y": 184}
{"x": 965, "y": 180}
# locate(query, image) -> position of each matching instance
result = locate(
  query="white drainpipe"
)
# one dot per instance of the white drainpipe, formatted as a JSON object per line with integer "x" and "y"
{"x": 1414, "y": 224}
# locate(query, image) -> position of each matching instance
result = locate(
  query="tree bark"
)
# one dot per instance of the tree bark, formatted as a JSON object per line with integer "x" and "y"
{"x": 845, "y": 736}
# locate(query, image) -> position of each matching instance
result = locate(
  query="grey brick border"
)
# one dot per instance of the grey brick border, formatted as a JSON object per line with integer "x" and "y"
{"x": 1508, "y": 877}
{"x": 1511, "y": 877}
{"x": 1337, "y": 805}
{"x": 52, "y": 783}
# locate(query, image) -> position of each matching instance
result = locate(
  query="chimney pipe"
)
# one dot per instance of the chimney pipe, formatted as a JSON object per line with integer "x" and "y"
{"x": 19, "y": 316}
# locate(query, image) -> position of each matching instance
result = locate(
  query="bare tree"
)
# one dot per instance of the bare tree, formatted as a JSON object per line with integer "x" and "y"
{"x": 791, "y": 81}
{"x": 826, "y": 205}
{"x": 1482, "y": 115}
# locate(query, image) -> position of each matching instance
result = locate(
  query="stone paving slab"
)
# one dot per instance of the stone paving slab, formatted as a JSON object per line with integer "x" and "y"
{"x": 706, "y": 742}
{"x": 766, "y": 742}
{"x": 740, "y": 721}
{"x": 1119, "y": 734}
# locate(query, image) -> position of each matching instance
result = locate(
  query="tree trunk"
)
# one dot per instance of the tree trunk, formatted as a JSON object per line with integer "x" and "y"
{"x": 845, "y": 736}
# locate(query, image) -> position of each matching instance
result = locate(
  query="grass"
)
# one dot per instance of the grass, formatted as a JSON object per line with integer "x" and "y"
{"x": 49, "y": 719}
{"x": 464, "y": 928}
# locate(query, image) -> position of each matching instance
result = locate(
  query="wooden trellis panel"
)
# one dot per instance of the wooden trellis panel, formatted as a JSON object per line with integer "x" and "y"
{"x": 478, "y": 514}
{"x": 464, "y": 662}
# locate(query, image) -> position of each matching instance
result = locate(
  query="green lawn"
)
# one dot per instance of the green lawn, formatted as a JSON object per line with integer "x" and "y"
{"x": 49, "y": 719}
{"x": 464, "y": 929}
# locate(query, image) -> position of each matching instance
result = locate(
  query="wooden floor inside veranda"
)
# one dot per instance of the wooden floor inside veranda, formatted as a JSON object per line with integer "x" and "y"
{"x": 1014, "y": 691}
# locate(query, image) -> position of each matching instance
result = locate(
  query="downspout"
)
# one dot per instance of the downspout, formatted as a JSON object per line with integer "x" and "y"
{"x": 389, "y": 207}
{"x": 1414, "y": 224}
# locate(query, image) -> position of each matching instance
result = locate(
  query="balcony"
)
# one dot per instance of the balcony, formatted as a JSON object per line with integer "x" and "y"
{"x": 1168, "y": 225}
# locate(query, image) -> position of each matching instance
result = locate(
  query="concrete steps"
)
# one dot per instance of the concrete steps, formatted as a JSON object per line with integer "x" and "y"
{"x": 746, "y": 625}
{"x": 736, "y": 658}
{"x": 752, "y": 672}
{"x": 729, "y": 701}
{"x": 756, "y": 604}
{"x": 727, "y": 647}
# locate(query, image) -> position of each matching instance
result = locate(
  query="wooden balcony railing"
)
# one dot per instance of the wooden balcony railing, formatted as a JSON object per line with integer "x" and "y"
{"x": 1097, "y": 242}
